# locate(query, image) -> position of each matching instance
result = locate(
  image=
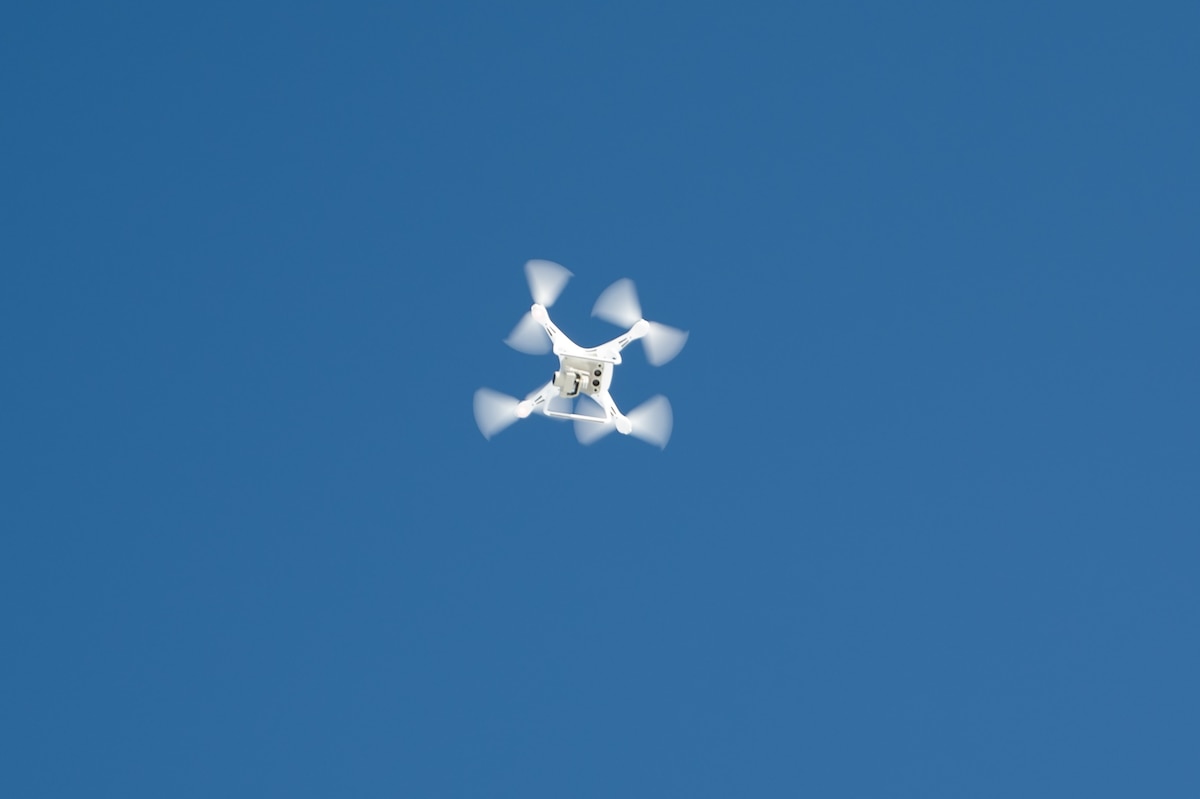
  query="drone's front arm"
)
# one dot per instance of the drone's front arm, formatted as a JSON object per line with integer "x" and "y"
{"x": 612, "y": 413}
{"x": 625, "y": 339}
{"x": 537, "y": 401}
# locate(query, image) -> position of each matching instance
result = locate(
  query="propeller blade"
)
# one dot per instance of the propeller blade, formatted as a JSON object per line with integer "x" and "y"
{"x": 591, "y": 432}
{"x": 558, "y": 404}
{"x": 652, "y": 421}
{"x": 546, "y": 281}
{"x": 587, "y": 406}
{"x": 494, "y": 411}
{"x": 663, "y": 343}
{"x": 529, "y": 337}
{"x": 619, "y": 304}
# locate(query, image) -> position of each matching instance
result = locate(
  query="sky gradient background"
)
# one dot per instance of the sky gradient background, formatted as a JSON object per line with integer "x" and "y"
{"x": 928, "y": 522}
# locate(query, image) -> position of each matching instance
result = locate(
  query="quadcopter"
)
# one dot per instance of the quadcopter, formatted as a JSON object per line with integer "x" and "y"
{"x": 578, "y": 391}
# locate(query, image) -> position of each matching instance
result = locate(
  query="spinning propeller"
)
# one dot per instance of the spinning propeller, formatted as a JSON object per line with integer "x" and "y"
{"x": 651, "y": 422}
{"x": 495, "y": 411}
{"x": 619, "y": 305}
{"x": 546, "y": 281}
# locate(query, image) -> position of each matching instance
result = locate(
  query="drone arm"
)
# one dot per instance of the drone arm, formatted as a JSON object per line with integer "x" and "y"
{"x": 538, "y": 400}
{"x": 557, "y": 338}
{"x": 628, "y": 337}
{"x": 612, "y": 412}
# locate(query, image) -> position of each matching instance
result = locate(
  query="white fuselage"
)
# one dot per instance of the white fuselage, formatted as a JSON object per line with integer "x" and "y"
{"x": 581, "y": 372}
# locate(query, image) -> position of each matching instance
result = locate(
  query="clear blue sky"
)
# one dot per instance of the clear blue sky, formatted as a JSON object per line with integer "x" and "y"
{"x": 928, "y": 525}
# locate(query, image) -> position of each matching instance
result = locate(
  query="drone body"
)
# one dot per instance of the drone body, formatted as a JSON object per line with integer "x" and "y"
{"x": 579, "y": 390}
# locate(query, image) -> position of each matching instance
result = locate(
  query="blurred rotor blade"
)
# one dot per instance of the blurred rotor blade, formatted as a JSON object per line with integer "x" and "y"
{"x": 619, "y": 304}
{"x": 663, "y": 343}
{"x": 529, "y": 337}
{"x": 591, "y": 432}
{"x": 546, "y": 280}
{"x": 587, "y": 406}
{"x": 558, "y": 404}
{"x": 494, "y": 411}
{"x": 652, "y": 421}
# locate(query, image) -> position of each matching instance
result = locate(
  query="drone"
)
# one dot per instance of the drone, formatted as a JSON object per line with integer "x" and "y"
{"x": 578, "y": 391}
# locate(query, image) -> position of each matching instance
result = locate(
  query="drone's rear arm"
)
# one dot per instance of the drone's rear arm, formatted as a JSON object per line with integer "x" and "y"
{"x": 625, "y": 339}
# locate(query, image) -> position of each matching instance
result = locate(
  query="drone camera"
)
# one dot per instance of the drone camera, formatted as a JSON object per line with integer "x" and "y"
{"x": 568, "y": 382}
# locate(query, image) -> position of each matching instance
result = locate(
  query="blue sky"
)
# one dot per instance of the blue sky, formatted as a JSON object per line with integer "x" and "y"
{"x": 928, "y": 522}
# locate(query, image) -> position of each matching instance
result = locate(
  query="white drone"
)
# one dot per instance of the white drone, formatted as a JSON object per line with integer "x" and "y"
{"x": 579, "y": 389}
